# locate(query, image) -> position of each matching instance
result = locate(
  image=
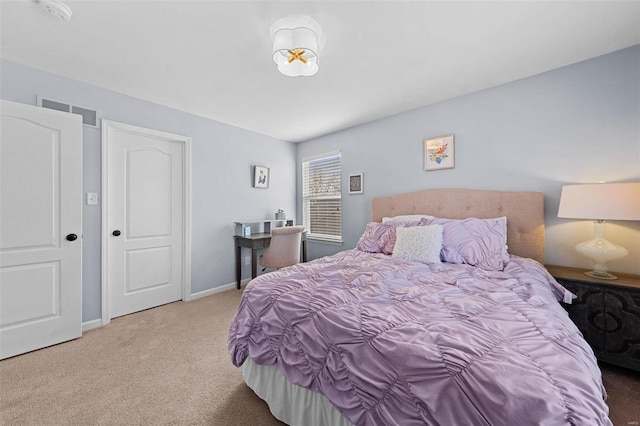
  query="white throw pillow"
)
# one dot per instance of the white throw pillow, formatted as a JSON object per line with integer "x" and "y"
{"x": 419, "y": 243}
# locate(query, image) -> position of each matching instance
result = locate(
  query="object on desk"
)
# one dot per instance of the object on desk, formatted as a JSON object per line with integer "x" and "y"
{"x": 246, "y": 231}
{"x": 280, "y": 215}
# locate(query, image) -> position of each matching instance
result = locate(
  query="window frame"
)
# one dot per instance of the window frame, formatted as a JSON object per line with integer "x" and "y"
{"x": 306, "y": 199}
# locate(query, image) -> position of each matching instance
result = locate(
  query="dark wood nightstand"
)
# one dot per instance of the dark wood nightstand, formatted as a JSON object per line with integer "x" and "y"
{"x": 607, "y": 312}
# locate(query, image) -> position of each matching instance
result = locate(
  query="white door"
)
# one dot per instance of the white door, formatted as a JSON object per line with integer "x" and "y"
{"x": 40, "y": 228}
{"x": 145, "y": 216}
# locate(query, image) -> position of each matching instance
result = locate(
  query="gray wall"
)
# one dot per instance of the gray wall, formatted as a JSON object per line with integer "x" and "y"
{"x": 221, "y": 174}
{"x": 577, "y": 124}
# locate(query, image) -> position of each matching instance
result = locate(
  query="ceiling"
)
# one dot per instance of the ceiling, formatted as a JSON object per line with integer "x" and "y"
{"x": 213, "y": 58}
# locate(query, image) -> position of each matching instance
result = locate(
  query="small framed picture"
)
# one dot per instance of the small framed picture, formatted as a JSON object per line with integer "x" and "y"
{"x": 439, "y": 153}
{"x": 356, "y": 183}
{"x": 260, "y": 177}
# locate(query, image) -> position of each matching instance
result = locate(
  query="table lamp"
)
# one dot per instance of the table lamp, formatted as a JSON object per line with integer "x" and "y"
{"x": 600, "y": 202}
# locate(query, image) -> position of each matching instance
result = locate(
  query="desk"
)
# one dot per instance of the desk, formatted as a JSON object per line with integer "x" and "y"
{"x": 255, "y": 242}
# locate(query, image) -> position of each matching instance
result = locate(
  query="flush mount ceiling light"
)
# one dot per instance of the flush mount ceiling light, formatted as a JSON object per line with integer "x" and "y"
{"x": 56, "y": 8}
{"x": 296, "y": 41}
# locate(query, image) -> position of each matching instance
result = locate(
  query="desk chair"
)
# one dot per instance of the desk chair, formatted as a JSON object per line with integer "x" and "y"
{"x": 284, "y": 248}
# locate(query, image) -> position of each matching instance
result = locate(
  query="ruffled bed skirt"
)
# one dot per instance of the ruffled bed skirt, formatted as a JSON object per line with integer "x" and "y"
{"x": 289, "y": 403}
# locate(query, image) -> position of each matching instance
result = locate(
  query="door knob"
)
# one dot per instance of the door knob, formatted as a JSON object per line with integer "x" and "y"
{"x": 72, "y": 237}
{"x": 116, "y": 233}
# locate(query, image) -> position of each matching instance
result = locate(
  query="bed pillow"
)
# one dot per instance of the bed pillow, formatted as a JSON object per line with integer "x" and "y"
{"x": 477, "y": 242}
{"x": 381, "y": 237}
{"x": 371, "y": 239}
{"x": 419, "y": 243}
{"x": 407, "y": 218}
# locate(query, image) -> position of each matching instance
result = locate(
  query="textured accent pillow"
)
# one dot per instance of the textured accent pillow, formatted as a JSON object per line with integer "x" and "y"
{"x": 419, "y": 243}
{"x": 477, "y": 242}
{"x": 381, "y": 237}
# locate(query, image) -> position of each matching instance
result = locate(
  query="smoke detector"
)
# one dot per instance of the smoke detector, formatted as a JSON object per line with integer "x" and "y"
{"x": 56, "y": 8}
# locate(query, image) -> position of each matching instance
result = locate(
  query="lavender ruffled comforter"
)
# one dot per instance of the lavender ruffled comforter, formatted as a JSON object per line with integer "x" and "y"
{"x": 391, "y": 342}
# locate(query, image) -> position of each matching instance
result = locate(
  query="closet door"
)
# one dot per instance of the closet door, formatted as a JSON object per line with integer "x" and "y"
{"x": 145, "y": 217}
{"x": 40, "y": 228}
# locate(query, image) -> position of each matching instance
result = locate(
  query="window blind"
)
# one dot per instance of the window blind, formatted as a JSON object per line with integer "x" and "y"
{"x": 321, "y": 197}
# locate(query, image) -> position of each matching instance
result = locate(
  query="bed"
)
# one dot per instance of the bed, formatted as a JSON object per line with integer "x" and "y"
{"x": 441, "y": 315}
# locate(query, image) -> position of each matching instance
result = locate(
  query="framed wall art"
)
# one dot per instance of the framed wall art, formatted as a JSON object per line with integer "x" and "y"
{"x": 260, "y": 177}
{"x": 356, "y": 183}
{"x": 439, "y": 153}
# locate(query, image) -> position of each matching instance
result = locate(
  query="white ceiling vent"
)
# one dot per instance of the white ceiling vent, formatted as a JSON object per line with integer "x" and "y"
{"x": 90, "y": 117}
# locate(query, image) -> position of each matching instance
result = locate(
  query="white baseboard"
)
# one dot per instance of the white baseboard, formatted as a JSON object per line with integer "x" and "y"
{"x": 209, "y": 292}
{"x": 90, "y": 325}
{"x": 96, "y": 323}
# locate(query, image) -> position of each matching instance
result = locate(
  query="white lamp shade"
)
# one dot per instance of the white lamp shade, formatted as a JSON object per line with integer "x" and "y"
{"x": 296, "y": 33}
{"x": 604, "y": 201}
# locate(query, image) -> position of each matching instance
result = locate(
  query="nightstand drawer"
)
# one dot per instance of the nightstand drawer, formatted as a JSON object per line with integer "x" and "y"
{"x": 622, "y": 309}
{"x": 587, "y": 312}
{"x": 607, "y": 313}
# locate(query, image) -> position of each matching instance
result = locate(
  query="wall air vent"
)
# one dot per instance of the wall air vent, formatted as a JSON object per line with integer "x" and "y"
{"x": 89, "y": 117}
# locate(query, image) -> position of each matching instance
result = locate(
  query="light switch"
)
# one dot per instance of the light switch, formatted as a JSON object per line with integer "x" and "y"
{"x": 92, "y": 198}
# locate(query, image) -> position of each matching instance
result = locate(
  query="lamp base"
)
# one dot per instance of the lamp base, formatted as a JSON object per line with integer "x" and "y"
{"x": 601, "y": 275}
{"x": 600, "y": 250}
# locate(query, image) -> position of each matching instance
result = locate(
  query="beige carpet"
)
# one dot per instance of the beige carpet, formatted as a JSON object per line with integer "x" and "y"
{"x": 163, "y": 366}
{"x": 167, "y": 366}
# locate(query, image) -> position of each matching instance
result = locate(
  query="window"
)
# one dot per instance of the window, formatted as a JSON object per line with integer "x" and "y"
{"x": 321, "y": 197}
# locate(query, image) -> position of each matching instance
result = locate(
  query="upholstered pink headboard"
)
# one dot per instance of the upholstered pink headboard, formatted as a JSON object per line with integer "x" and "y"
{"x": 524, "y": 212}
